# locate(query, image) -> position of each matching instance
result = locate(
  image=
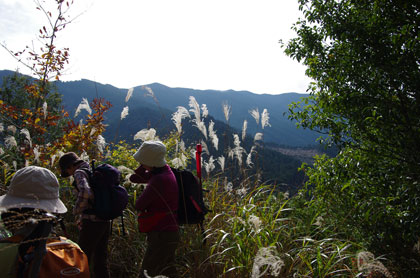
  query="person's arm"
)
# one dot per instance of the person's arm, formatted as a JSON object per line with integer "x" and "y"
{"x": 149, "y": 196}
{"x": 84, "y": 192}
{"x": 141, "y": 175}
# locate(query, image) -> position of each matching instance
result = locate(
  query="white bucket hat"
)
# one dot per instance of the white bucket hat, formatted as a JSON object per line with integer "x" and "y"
{"x": 33, "y": 187}
{"x": 151, "y": 153}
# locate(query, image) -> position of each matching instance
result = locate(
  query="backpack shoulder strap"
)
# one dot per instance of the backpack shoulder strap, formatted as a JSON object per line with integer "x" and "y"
{"x": 88, "y": 174}
{"x": 87, "y": 171}
{"x": 32, "y": 250}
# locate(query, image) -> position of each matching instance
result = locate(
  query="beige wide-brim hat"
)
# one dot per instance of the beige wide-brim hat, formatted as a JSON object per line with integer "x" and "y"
{"x": 151, "y": 153}
{"x": 33, "y": 187}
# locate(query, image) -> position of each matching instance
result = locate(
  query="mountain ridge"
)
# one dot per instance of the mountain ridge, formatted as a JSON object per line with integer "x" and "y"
{"x": 282, "y": 131}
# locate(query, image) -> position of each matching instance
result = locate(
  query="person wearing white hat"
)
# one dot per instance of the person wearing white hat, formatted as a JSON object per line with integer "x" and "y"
{"x": 32, "y": 198}
{"x": 160, "y": 200}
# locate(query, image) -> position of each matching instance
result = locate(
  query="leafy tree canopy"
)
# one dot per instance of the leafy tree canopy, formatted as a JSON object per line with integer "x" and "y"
{"x": 364, "y": 57}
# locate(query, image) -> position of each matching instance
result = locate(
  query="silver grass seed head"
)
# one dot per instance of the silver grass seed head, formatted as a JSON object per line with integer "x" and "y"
{"x": 244, "y": 127}
{"x": 265, "y": 117}
{"x": 84, "y": 105}
{"x": 12, "y": 129}
{"x": 44, "y": 109}
{"x": 201, "y": 126}
{"x": 100, "y": 141}
{"x": 195, "y": 108}
{"x": 129, "y": 94}
{"x": 204, "y": 110}
{"x": 146, "y": 134}
{"x": 266, "y": 260}
{"x": 258, "y": 136}
{"x": 178, "y": 116}
{"x": 27, "y": 135}
{"x": 213, "y": 135}
{"x": 255, "y": 114}
{"x": 226, "y": 111}
{"x": 10, "y": 142}
{"x": 124, "y": 112}
{"x": 221, "y": 160}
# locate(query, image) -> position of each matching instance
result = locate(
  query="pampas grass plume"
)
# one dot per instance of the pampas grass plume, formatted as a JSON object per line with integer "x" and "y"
{"x": 209, "y": 166}
{"x": 84, "y": 156}
{"x": 213, "y": 135}
{"x": 258, "y": 136}
{"x": 25, "y": 132}
{"x": 129, "y": 94}
{"x": 149, "y": 91}
{"x": 53, "y": 157}
{"x": 84, "y": 105}
{"x": 226, "y": 111}
{"x": 368, "y": 264}
{"x": 255, "y": 222}
{"x": 265, "y": 117}
{"x": 124, "y": 112}
{"x": 10, "y": 142}
{"x": 195, "y": 108}
{"x": 266, "y": 256}
{"x": 255, "y": 114}
{"x": 92, "y": 131}
{"x": 221, "y": 160}
{"x": 249, "y": 162}
{"x": 178, "y": 116}
{"x": 12, "y": 129}
{"x": 201, "y": 126}
{"x": 204, "y": 110}
{"x": 44, "y": 109}
{"x": 244, "y": 127}
{"x": 145, "y": 134}
{"x": 101, "y": 143}
{"x": 37, "y": 153}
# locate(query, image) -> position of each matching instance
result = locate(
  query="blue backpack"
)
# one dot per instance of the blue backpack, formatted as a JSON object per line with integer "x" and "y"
{"x": 110, "y": 197}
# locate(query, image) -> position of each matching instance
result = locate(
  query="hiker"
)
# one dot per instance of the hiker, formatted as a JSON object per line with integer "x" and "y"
{"x": 93, "y": 232}
{"x": 160, "y": 200}
{"x": 28, "y": 207}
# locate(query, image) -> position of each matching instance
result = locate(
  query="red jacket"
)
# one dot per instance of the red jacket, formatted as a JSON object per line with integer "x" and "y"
{"x": 160, "y": 195}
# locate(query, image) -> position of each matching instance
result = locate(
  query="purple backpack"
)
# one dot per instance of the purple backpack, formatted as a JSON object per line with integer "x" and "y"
{"x": 110, "y": 197}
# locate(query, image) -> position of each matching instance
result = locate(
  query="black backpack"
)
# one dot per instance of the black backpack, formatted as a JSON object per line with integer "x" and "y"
{"x": 110, "y": 197}
{"x": 191, "y": 207}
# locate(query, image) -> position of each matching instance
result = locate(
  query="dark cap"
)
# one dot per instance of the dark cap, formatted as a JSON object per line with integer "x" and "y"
{"x": 67, "y": 160}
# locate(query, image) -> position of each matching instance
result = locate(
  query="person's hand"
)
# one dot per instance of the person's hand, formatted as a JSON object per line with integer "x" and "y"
{"x": 134, "y": 178}
{"x": 140, "y": 170}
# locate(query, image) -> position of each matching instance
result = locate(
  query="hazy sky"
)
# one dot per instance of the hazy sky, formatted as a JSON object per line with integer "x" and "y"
{"x": 217, "y": 44}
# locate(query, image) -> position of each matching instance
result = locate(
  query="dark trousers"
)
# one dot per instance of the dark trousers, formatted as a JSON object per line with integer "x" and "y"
{"x": 93, "y": 239}
{"x": 159, "y": 258}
